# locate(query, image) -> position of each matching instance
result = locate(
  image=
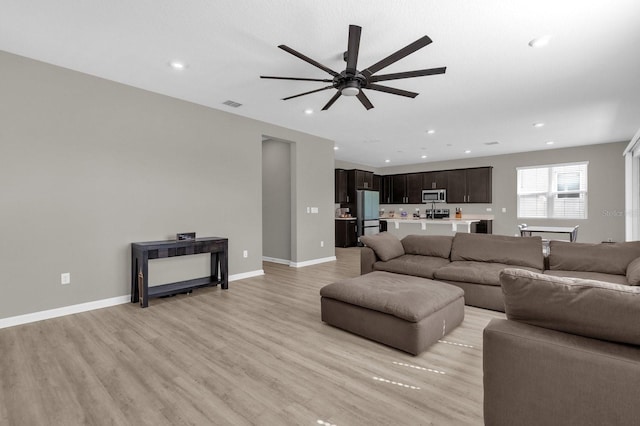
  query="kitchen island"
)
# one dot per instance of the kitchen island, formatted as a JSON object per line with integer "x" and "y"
{"x": 401, "y": 227}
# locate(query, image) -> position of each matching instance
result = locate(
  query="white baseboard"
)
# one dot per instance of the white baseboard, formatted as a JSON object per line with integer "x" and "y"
{"x": 243, "y": 275}
{"x": 90, "y": 306}
{"x": 298, "y": 264}
{"x": 312, "y": 262}
{"x": 65, "y": 310}
{"x": 276, "y": 260}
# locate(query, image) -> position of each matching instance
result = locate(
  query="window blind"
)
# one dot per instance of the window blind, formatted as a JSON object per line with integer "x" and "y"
{"x": 556, "y": 191}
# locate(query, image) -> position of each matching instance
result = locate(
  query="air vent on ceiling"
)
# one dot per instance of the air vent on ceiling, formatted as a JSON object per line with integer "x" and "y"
{"x": 492, "y": 143}
{"x": 232, "y": 104}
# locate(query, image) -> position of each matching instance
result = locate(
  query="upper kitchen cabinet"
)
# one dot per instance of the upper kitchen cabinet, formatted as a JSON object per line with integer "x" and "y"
{"x": 347, "y": 182}
{"x": 385, "y": 189}
{"x": 377, "y": 182}
{"x": 362, "y": 179}
{"x": 469, "y": 185}
{"x": 398, "y": 189}
{"x": 435, "y": 180}
{"x": 406, "y": 188}
{"x": 341, "y": 186}
{"x": 415, "y": 183}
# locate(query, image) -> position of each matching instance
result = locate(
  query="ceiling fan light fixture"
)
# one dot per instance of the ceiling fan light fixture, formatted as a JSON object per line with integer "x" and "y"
{"x": 351, "y": 88}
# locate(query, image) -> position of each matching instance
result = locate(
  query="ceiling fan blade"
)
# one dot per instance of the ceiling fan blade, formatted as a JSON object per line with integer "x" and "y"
{"x": 394, "y": 57}
{"x": 332, "y": 100}
{"x": 324, "y": 80}
{"x": 307, "y": 59}
{"x": 392, "y": 90}
{"x": 364, "y": 100}
{"x": 408, "y": 74}
{"x": 308, "y": 93}
{"x": 353, "y": 46}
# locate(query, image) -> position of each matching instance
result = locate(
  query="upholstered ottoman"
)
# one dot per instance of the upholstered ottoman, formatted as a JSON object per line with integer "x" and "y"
{"x": 406, "y": 312}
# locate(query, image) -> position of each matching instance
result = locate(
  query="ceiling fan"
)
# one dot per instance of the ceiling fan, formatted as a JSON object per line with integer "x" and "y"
{"x": 351, "y": 82}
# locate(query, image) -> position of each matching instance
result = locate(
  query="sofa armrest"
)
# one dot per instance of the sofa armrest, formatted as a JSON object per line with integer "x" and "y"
{"x": 537, "y": 376}
{"x": 633, "y": 272}
{"x": 367, "y": 259}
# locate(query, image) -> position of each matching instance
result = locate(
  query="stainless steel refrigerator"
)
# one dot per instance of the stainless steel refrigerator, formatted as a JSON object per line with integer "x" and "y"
{"x": 368, "y": 212}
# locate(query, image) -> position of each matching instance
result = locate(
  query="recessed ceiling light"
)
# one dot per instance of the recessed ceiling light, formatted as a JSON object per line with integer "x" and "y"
{"x": 387, "y": 161}
{"x": 431, "y": 131}
{"x": 308, "y": 111}
{"x": 540, "y": 41}
{"x": 550, "y": 143}
{"x": 335, "y": 148}
{"x": 468, "y": 151}
{"x": 538, "y": 124}
{"x": 177, "y": 65}
{"x": 424, "y": 156}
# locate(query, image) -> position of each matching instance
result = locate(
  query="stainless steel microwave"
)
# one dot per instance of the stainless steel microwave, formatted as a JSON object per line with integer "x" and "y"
{"x": 434, "y": 195}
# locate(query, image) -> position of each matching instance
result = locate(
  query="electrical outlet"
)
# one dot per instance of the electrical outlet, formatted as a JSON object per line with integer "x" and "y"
{"x": 65, "y": 278}
{"x": 314, "y": 210}
{"x": 308, "y": 210}
{"x": 489, "y": 209}
{"x": 504, "y": 210}
{"x": 245, "y": 253}
{"x": 321, "y": 243}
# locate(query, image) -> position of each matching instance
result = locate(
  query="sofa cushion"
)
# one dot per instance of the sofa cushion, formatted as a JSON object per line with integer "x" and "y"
{"x": 633, "y": 272}
{"x": 387, "y": 246}
{"x": 608, "y": 258}
{"x": 474, "y": 272}
{"x": 411, "y": 264}
{"x": 596, "y": 276}
{"x": 516, "y": 251}
{"x": 402, "y": 296}
{"x": 428, "y": 245}
{"x": 587, "y": 308}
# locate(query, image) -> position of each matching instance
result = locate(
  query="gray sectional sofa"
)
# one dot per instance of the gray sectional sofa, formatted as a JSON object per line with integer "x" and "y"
{"x": 473, "y": 262}
{"x": 567, "y": 354}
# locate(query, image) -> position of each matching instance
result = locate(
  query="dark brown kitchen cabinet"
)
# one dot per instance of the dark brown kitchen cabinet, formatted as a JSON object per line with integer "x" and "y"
{"x": 376, "y": 182}
{"x": 347, "y": 182}
{"x": 346, "y": 232}
{"x": 435, "y": 180}
{"x": 406, "y": 188}
{"x": 414, "y": 188}
{"x": 385, "y": 189}
{"x": 469, "y": 185}
{"x": 341, "y": 186}
{"x": 361, "y": 179}
{"x": 398, "y": 189}
{"x": 482, "y": 227}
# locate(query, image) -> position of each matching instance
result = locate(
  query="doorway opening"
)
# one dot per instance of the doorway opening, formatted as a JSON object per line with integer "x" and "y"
{"x": 277, "y": 201}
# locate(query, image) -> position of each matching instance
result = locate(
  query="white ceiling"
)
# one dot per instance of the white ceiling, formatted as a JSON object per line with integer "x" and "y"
{"x": 584, "y": 85}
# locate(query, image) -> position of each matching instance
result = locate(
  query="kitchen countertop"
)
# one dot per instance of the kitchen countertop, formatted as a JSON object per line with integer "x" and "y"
{"x": 447, "y": 221}
{"x": 346, "y": 218}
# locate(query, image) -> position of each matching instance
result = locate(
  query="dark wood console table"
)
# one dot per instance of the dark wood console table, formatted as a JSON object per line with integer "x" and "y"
{"x": 141, "y": 253}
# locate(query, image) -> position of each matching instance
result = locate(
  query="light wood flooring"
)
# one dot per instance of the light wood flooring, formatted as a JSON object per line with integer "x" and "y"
{"x": 255, "y": 354}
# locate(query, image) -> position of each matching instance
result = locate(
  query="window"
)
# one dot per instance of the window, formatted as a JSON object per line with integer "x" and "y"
{"x": 557, "y": 191}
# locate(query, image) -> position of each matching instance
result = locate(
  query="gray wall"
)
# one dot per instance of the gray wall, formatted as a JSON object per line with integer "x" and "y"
{"x": 88, "y": 166}
{"x": 605, "y": 185}
{"x": 276, "y": 199}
